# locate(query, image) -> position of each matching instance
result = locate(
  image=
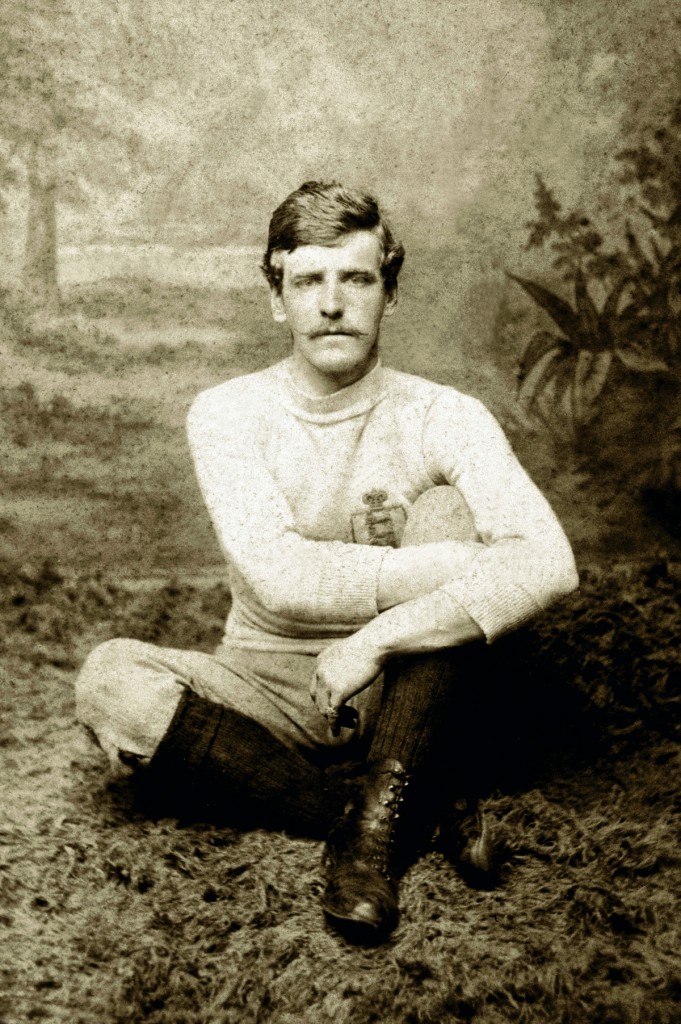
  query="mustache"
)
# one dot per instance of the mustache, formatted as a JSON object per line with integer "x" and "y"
{"x": 326, "y": 331}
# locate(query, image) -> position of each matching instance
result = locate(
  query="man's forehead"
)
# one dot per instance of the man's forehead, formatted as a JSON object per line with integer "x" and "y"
{"x": 360, "y": 249}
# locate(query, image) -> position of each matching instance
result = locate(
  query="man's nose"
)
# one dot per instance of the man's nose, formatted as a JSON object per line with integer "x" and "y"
{"x": 331, "y": 299}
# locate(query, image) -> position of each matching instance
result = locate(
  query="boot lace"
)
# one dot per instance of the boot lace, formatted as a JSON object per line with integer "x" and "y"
{"x": 380, "y": 818}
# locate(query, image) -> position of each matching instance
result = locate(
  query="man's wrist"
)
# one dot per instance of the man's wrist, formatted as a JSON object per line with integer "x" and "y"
{"x": 428, "y": 623}
{"x": 369, "y": 643}
{"x": 412, "y": 572}
{"x": 373, "y": 640}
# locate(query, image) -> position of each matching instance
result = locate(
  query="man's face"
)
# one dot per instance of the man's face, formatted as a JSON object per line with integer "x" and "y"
{"x": 333, "y": 299}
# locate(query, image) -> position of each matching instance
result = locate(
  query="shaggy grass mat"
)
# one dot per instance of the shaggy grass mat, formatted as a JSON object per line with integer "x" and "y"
{"x": 108, "y": 916}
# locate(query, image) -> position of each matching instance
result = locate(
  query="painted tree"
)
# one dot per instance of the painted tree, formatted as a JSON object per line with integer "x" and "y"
{"x": 74, "y": 110}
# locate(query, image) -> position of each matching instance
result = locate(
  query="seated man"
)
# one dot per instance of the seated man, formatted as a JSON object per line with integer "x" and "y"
{"x": 377, "y": 529}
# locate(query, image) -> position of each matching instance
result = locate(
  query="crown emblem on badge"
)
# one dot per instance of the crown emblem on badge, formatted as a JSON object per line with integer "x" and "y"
{"x": 379, "y": 524}
{"x": 375, "y": 498}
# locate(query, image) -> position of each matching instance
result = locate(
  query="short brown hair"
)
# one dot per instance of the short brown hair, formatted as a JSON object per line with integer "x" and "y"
{"x": 319, "y": 213}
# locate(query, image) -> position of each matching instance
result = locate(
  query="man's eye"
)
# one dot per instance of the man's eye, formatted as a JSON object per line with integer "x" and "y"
{"x": 361, "y": 279}
{"x": 305, "y": 282}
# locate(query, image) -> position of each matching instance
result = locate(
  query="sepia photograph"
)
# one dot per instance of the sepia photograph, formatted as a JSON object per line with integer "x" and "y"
{"x": 340, "y": 512}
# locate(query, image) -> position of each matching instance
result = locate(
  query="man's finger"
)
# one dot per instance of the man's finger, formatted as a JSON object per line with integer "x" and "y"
{"x": 343, "y": 717}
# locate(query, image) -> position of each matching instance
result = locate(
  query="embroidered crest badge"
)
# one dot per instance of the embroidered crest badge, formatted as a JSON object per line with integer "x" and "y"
{"x": 378, "y": 524}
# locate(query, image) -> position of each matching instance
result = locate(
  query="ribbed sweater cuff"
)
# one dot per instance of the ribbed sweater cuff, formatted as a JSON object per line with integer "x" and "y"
{"x": 352, "y": 584}
{"x": 498, "y": 605}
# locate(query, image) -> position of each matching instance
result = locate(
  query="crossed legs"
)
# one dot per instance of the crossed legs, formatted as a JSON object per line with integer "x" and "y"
{"x": 155, "y": 712}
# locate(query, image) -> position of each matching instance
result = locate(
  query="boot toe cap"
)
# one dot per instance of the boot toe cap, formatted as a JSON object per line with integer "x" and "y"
{"x": 362, "y": 904}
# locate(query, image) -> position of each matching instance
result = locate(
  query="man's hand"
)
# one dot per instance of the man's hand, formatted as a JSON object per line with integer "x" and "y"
{"x": 344, "y": 668}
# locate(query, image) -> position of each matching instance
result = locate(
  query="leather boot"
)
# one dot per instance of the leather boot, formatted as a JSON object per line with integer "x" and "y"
{"x": 465, "y": 839}
{"x": 363, "y": 859}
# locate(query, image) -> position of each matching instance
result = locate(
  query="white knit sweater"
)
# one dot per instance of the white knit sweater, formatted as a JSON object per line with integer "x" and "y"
{"x": 306, "y": 492}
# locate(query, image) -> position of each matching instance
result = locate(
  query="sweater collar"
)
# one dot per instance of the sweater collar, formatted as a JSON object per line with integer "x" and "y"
{"x": 353, "y": 400}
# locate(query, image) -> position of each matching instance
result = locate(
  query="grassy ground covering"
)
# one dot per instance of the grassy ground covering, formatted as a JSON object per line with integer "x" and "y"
{"x": 110, "y": 916}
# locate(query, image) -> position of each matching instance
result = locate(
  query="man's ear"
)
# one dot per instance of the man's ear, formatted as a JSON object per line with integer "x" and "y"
{"x": 390, "y": 302}
{"x": 277, "y": 304}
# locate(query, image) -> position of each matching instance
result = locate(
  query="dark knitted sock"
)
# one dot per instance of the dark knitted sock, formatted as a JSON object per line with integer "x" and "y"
{"x": 418, "y": 697}
{"x": 423, "y": 717}
{"x": 217, "y": 759}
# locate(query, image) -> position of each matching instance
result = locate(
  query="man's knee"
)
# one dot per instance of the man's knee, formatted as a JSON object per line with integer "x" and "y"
{"x": 124, "y": 701}
{"x": 105, "y": 661}
{"x": 439, "y": 514}
{"x": 112, "y": 652}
